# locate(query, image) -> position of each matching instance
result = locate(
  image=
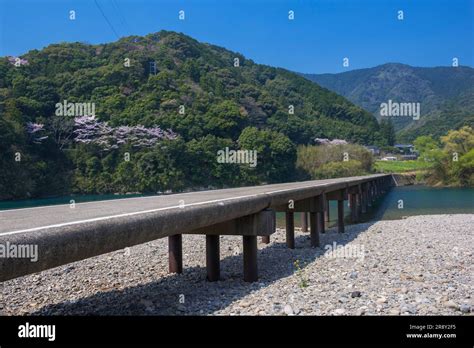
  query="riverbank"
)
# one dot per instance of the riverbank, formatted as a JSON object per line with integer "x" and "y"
{"x": 419, "y": 265}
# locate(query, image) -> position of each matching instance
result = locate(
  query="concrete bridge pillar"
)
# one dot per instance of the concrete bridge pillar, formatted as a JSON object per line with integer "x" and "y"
{"x": 369, "y": 194}
{"x": 359, "y": 201}
{"x": 316, "y": 215}
{"x": 327, "y": 216}
{"x": 322, "y": 207}
{"x": 250, "y": 258}
{"x": 313, "y": 229}
{"x": 355, "y": 202}
{"x": 290, "y": 229}
{"x": 364, "y": 198}
{"x": 304, "y": 222}
{"x": 175, "y": 253}
{"x": 249, "y": 226}
{"x": 353, "y": 205}
{"x": 339, "y": 196}
{"x": 213, "y": 257}
{"x": 340, "y": 216}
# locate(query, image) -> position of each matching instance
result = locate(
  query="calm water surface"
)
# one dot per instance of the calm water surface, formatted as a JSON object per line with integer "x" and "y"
{"x": 417, "y": 200}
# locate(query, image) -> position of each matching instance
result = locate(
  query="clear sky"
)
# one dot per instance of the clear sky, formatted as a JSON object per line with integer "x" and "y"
{"x": 316, "y": 41}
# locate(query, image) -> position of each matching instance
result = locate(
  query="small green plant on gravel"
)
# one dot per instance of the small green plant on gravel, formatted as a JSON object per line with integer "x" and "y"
{"x": 303, "y": 281}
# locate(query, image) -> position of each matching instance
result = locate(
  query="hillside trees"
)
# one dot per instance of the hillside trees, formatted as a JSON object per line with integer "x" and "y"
{"x": 387, "y": 133}
{"x": 244, "y": 107}
{"x": 276, "y": 155}
{"x": 452, "y": 157}
{"x": 334, "y": 161}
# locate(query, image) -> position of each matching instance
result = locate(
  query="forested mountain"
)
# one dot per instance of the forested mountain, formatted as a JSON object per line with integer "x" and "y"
{"x": 186, "y": 99}
{"x": 445, "y": 94}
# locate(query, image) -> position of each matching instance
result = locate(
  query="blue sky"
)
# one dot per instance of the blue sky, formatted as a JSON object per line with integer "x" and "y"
{"x": 322, "y": 34}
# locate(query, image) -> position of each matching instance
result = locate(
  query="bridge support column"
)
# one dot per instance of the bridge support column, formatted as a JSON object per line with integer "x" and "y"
{"x": 364, "y": 199}
{"x": 249, "y": 226}
{"x": 359, "y": 204}
{"x": 290, "y": 230}
{"x": 304, "y": 222}
{"x": 314, "y": 233}
{"x": 340, "y": 216}
{"x": 326, "y": 211}
{"x": 321, "y": 205}
{"x": 266, "y": 239}
{"x": 353, "y": 204}
{"x": 369, "y": 195}
{"x": 355, "y": 200}
{"x": 213, "y": 257}
{"x": 322, "y": 228}
{"x": 175, "y": 253}
{"x": 250, "y": 258}
{"x": 339, "y": 196}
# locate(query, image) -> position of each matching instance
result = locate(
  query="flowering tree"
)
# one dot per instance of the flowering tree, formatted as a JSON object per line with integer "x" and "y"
{"x": 88, "y": 130}
{"x": 34, "y": 132}
{"x": 325, "y": 141}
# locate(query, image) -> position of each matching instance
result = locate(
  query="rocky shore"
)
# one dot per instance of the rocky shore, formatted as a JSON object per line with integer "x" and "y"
{"x": 416, "y": 266}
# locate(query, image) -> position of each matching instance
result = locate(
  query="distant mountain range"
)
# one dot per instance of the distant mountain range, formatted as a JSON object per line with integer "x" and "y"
{"x": 445, "y": 94}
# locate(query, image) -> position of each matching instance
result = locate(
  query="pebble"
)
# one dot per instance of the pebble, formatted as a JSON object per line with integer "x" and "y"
{"x": 408, "y": 309}
{"x": 288, "y": 310}
{"x": 415, "y": 280}
{"x": 451, "y": 304}
{"x": 245, "y": 304}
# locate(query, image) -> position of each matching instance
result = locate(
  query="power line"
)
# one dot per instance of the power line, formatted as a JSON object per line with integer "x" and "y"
{"x": 121, "y": 17}
{"x": 107, "y": 20}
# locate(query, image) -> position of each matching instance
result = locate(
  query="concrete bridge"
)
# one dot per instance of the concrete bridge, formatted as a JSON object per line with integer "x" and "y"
{"x": 68, "y": 233}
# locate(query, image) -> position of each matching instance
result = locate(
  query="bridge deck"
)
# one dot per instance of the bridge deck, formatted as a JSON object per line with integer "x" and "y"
{"x": 64, "y": 234}
{"x": 33, "y": 219}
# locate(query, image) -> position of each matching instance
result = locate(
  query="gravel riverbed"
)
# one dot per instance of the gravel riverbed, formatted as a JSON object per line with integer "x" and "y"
{"x": 416, "y": 266}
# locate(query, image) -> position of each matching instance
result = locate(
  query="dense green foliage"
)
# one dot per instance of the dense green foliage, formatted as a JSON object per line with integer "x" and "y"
{"x": 388, "y": 133}
{"x": 445, "y": 94}
{"x": 333, "y": 161}
{"x": 244, "y": 106}
{"x": 451, "y": 158}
